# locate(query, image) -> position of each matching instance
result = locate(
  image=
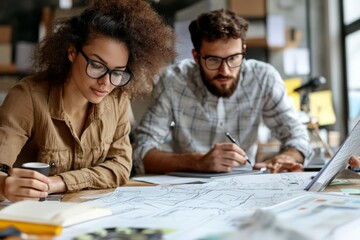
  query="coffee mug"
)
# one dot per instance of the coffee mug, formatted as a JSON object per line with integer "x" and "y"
{"x": 43, "y": 168}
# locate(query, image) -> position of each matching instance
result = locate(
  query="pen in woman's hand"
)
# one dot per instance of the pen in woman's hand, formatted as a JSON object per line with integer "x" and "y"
{"x": 233, "y": 141}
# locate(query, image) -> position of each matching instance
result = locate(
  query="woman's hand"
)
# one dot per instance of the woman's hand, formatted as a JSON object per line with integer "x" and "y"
{"x": 354, "y": 161}
{"x": 24, "y": 184}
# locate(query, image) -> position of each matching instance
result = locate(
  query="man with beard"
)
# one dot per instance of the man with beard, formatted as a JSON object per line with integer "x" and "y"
{"x": 197, "y": 101}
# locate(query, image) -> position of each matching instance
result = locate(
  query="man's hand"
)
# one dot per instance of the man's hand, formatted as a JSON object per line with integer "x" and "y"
{"x": 289, "y": 161}
{"x": 223, "y": 157}
{"x": 24, "y": 184}
{"x": 280, "y": 163}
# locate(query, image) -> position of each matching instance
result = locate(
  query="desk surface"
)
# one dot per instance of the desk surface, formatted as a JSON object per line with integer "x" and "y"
{"x": 346, "y": 175}
{"x": 75, "y": 197}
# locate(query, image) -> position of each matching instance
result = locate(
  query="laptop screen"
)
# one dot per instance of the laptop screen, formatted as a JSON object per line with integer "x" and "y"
{"x": 350, "y": 147}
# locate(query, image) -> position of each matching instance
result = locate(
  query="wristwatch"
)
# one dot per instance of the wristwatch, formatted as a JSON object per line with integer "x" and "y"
{"x": 4, "y": 168}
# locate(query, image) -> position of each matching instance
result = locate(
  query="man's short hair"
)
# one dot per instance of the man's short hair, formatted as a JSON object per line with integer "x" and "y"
{"x": 218, "y": 24}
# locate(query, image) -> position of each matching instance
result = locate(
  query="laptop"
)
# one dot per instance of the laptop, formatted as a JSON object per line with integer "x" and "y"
{"x": 235, "y": 171}
{"x": 350, "y": 147}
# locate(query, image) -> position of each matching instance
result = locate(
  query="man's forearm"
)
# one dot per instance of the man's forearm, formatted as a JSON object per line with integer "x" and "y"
{"x": 160, "y": 162}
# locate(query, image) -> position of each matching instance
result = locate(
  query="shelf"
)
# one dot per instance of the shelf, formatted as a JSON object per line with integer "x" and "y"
{"x": 249, "y": 9}
{"x": 11, "y": 70}
{"x": 256, "y": 42}
{"x": 8, "y": 69}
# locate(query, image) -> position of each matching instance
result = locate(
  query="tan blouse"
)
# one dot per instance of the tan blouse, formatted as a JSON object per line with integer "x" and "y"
{"x": 34, "y": 127}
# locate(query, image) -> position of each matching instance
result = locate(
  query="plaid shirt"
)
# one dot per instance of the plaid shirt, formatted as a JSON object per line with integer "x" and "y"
{"x": 189, "y": 118}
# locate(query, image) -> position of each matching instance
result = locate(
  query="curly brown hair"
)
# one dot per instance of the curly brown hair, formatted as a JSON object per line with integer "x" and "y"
{"x": 217, "y": 24}
{"x": 149, "y": 39}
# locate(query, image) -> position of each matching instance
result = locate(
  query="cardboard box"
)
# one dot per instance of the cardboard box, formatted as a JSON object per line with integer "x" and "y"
{"x": 5, "y": 53}
{"x": 248, "y": 9}
{"x": 23, "y": 56}
{"x": 5, "y": 33}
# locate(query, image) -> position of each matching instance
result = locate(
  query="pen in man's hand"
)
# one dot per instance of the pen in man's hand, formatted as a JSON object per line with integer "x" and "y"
{"x": 233, "y": 141}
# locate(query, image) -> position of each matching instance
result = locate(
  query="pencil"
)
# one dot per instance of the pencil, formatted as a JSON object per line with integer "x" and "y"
{"x": 234, "y": 141}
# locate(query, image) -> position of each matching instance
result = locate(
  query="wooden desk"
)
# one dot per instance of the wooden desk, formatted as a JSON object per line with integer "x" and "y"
{"x": 75, "y": 197}
{"x": 345, "y": 176}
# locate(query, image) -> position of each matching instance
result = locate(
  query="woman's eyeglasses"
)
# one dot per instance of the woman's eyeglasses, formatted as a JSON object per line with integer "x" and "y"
{"x": 96, "y": 70}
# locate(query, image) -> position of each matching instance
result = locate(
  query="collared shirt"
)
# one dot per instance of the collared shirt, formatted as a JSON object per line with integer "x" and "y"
{"x": 35, "y": 127}
{"x": 185, "y": 114}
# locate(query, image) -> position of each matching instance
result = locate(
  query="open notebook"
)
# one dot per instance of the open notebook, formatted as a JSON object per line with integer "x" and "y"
{"x": 48, "y": 217}
{"x": 350, "y": 147}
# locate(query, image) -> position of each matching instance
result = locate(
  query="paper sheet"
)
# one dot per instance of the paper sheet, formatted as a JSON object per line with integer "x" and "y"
{"x": 321, "y": 107}
{"x": 352, "y": 191}
{"x": 320, "y": 216}
{"x": 195, "y": 210}
{"x": 276, "y": 31}
{"x": 296, "y": 61}
{"x": 291, "y": 84}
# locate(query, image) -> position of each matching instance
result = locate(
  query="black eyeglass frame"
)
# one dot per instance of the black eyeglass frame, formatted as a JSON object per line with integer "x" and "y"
{"x": 222, "y": 60}
{"x": 108, "y": 70}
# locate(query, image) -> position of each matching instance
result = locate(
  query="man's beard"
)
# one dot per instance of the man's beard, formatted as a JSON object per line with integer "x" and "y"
{"x": 220, "y": 92}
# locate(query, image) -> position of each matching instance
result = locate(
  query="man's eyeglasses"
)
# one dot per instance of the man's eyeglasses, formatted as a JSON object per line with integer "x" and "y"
{"x": 214, "y": 63}
{"x": 96, "y": 70}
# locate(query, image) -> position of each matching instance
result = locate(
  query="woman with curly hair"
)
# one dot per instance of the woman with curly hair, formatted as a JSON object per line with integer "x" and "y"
{"x": 73, "y": 112}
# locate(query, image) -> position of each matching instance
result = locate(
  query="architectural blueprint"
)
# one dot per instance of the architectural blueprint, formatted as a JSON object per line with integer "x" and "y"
{"x": 195, "y": 210}
{"x": 315, "y": 216}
